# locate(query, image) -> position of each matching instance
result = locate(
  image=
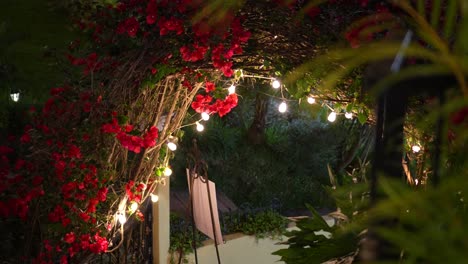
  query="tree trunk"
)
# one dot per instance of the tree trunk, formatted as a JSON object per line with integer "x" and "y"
{"x": 256, "y": 132}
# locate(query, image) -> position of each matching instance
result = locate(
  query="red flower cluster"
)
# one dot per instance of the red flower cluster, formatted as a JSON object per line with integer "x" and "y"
{"x": 195, "y": 53}
{"x": 91, "y": 63}
{"x": 171, "y": 24}
{"x": 129, "y": 26}
{"x": 130, "y": 142}
{"x": 222, "y": 107}
{"x": 134, "y": 192}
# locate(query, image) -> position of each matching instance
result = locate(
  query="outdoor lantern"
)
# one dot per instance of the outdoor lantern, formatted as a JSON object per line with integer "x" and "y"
{"x": 332, "y": 117}
{"x": 15, "y": 96}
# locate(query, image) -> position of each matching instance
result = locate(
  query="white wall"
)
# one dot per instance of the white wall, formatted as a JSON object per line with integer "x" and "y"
{"x": 238, "y": 250}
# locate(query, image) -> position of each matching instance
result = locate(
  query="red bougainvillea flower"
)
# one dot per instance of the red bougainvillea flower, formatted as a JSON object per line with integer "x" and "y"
{"x": 139, "y": 215}
{"x": 194, "y": 53}
{"x": 209, "y": 87}
{"x": 151, "y": 12}
{"x": 84, "y": 216}
{"x": 129, "y": 26}
{"x": 74, "y": 152}
{"x": 111, "y": 127}
{"x": 102, "y": 194}
{"x": 69, "y": 238}
{"x": 201, "y": 103}
{"x": 93, "y": 202}
{"x": 171, "y": 24}
{"x": 56, "y": 91}
{"x": 100, "y": 245}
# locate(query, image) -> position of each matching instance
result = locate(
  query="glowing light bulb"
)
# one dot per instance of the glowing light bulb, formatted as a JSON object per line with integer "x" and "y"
{"x": 276, "y": 84}
{"x": 332, "y": 117}
{"x": 205, "y": 116}
{"x": 172, "y": 146}
{"x": 200, "y": 127}
{"x": 311, "y": 100}
{"x": 15, "y": 97}
{"x": 416, "y": 148}
{"x": 154, "y": 198}
{"x": 122, "y": 219}
{"x": 167, "y": 172}
{"x": 232, "y": 89}
{"x": 282, "y": 107}
{"x": 348, "y": 115}
{"x": 133, "y": 206}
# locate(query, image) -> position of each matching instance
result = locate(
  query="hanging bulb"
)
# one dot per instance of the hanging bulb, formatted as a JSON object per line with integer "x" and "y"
{"x": 205, "y": 116}
{"x": 15, "y": 97}
{"x": 310, "y": 100}
{"x": 172, "y": 146}
{"x": 200, "y": 127}
{"x": 348, "y": 115}
{"x": 275, "y": 84}
{"x": 282, "y": 107}
{"x": 154, "y": 198}
{"x": 133, "y": 206}
{"x": 167, "y": 172}
{"x": 122, "y": 219}
{"x": 232, "y": 89}
{"x": 332, "y": 117}
{"x": 416, "y": 148}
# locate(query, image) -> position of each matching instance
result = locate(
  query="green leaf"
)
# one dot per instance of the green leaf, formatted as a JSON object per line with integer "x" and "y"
{"x": 362, "y": 118}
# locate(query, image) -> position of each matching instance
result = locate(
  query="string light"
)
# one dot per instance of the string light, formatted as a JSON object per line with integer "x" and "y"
{"x": 232, "y": 89}
{"x": 122, "y": 219}
{"x": 200, "y": 127}
{"x": 310, "y": 100}
{"x": 15, "y": 97}
{"x": 172, "y": 146}
{"x": 348, "y": 115}
{"x": 332, "y": 117}
{"x": 154, "y": 198}
{"x": 275, "y": 84}
{"x": 205, "y": 116}
{"x": 133, "y": 206}
{"x": 282, "y": 107}
{"x": 416, "y": 148}
{"x": 167, "y": 172}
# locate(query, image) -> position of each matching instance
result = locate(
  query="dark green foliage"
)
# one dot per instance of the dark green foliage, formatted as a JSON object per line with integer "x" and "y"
{"x": 291, "y": 166}
{"x": 432, "y": 224}
{"x": 261, "y": 224}
{"x": 306, "y": 246}
{"x": 181, "y": 236}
